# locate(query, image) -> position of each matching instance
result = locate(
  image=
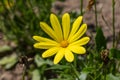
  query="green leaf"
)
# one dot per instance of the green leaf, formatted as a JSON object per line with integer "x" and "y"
{"x": 88, "y": 70}
{"x": 100, "y": 40}
{"x": 36, "y": 75}
{"x": 83, "y": 75}
{"x": 114, "y": 53}
{"x": 11, "y": 64}
{"x": 8, "y": 61}
{"x": 5, "y": 48}
{"x": 85, "y": 72}
{"x": 112, "y": 77}
{"x": 39, "y": 61}
{"x": 59, "y": 67}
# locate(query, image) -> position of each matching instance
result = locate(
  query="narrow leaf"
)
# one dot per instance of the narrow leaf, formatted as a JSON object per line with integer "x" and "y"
{"x": 114, "y": 53}
{"x": 36, "y": 75}
{"x": 100, "y": 40}
{"x": 112, "y": 77}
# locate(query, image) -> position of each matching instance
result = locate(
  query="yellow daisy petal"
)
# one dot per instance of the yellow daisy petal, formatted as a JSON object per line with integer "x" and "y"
{"x": 69, "y": 55}
{"x": 46, "y": 28}
{"x": 50, "y": 52}
{"x": 45, "y": 45}
{"x": 81, "y": 42}
{"x": 66, "y": 25}
{"x": 79, "y": 33}
{"x": 59, "y": 55}
{"x": 77, "y": 49}
{"x": 42, "y": 39}
{"x": 75, "y": 26}
{"x": 56, "y": 26}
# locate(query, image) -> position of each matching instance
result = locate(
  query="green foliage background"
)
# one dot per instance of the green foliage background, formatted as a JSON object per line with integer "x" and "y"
{"x": 20, "y": 22}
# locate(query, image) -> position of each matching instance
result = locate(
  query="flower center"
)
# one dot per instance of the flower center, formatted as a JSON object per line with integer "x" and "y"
{"x": 64, "y": 44}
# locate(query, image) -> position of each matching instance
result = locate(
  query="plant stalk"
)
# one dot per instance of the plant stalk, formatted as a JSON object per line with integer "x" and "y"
{"x": 75, "y": 71}
{"x": 113, "y": 21}
{"x": 81, "y": 7}
{"x": 96, "y": 19}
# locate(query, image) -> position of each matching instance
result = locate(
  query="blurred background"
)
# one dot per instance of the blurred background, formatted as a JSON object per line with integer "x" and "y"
{"x": 19, "y": 21}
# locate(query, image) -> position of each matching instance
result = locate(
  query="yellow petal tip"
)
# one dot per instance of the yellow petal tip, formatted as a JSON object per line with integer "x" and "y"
{"x": 55, "y": 63}
{"x": 84, "y": 51}
{"x": 81, "y": 17}
{"x": 88, "y": 39}
{"x": 51, "y": 15}
{"x": 43, "y": 56}
{"x": 70, "y": 60}
{"x": 34, "y": 46}
{"x": 41, "y": 23}
{"x": 33, "y": 37}
{"x": 66, "y": 14}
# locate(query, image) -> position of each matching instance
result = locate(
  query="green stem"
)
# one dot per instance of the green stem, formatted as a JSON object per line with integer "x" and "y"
{"x": 23, "y": 75}
{"x": 118, "y": 65}
{"x": 105, "y": 71}
{"x": 75, "y": 71}
{"x": 81, "y": 7}
{"x": 75, "y": 61}
{"x": 113, "y": 21}
{"x": 91, "y": 77}
{"x": 96, "y": 20}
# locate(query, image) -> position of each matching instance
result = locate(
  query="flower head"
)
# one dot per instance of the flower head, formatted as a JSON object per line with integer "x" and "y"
{"x": 65, "y": 40}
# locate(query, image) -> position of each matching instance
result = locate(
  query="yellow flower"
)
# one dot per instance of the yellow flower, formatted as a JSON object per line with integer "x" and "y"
{"x": 65, "y": 40}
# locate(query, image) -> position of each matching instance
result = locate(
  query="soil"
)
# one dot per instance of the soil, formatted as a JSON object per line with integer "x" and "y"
{"x": 13, "y": 74}
{"x": 103, "y": 8}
